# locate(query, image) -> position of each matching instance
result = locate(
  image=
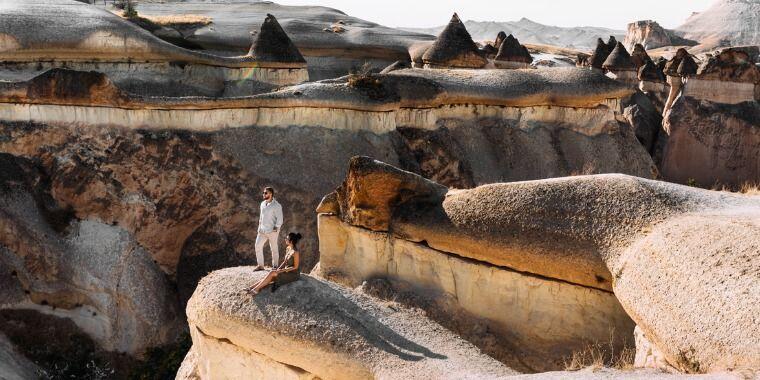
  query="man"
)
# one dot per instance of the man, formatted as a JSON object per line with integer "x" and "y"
{"x": 270, "y": 221}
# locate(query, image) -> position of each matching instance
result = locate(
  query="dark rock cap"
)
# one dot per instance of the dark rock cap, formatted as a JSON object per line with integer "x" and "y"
{"x": 454, "y": 47}
{"x": 619, "y": 60}
{"x": 511, "y": 50}
{"x": 489, "y": 50}
{"x": 272, "y": 44}
{"x": 600, "y": 54}
{"x": 639, "y": 55}
{"x": 611, "y": 43}
{"x": 671, "y": 68}
{"x": 499, "y": 39}
{"x": 688, "y": 67}
{"x": 651, "y": 73}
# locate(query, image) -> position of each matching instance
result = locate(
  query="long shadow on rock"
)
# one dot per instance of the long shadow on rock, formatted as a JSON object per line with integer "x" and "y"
{"x": 328, "y": 304}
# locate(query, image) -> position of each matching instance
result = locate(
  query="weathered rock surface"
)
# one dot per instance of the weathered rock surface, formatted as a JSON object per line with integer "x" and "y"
{"x": 329, "y": 54}
{"x": 312, "y": 328}
{"x": 650, "y": 34}
{"x": 712, "y": 143}
{"x": 92, "y": 273}
{"x": 551, "y": 228}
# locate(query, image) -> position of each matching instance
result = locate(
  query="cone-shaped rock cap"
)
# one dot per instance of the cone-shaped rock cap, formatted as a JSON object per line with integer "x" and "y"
{"x": 651, "y": 73}
{"x": 688, "y": 67}
{"x": 499, "y": 39}
{"x": 272, "y": 44}
{"x": 454, "y": 47}
{"x": 619, "y": 60}
{"x": 511, "y": 50}
{"x": 611, "y": 43}
{"x": 600, "y": 54}
{"x": 671, "y": 68}
{"x": 639, "y": 55}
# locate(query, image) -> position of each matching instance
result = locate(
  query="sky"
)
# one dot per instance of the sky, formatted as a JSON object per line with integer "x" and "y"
{"x": 428, "y": 13}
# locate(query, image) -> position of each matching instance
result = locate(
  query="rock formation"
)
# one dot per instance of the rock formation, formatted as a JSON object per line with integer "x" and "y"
{"x": 88, "y": 38}
{"x": 549, "y": 230}
{"x": 620, "y": 66}
{"x": 512, "y": 55}
{"x": 454, "y": 48}
{"x": 600, "y": 55}
{"x": 652, "y": 36}
{"x": 639, "y": 56}
{"x": 272, "y": 44}
{"x": 329, "y": 54}
{"x": 730, "y": 76}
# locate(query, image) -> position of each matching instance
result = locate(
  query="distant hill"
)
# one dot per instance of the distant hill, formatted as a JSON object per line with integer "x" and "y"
{"x": 727, "y": 22}
{"x": 527, "y": 31}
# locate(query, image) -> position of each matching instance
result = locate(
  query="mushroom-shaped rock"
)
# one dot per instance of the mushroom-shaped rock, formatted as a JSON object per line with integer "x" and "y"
{"x": 639, "y": 56}
{"x": 315, "y": 329}
{"x": 600, "y": 54}
{"x": 373, "y": 190}
{"x": 651, "y": 73}
{"x": 272, "y": 44}
{"x": 671, "y": 67}
{"x": 688, "y": 67}
{"x": 730, "y": 65}
{"x": 512, "y": 55}
{"x": 454, "y": 48}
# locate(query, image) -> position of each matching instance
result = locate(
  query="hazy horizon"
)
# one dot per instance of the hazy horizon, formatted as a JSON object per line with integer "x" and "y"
{"x": 428, "y": 13}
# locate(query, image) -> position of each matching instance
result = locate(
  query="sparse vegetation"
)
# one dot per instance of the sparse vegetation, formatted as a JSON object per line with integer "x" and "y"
{"x": 129, "y": 8}
{"x": 747, "y": 188}
{"x": 602, "y": 354}
{"x": 365, "y": 80}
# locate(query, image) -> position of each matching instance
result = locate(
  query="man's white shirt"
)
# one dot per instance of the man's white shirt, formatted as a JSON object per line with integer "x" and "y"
{"x": 270, "y": 216}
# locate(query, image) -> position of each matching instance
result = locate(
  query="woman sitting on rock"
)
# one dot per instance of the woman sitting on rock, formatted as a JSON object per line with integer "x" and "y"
{"x": 287, "y": 272}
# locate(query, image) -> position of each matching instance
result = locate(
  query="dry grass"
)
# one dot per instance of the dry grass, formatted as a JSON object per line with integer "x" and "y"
{"x": 180, "y": 20}
{"x": 747, "y": 188}
{"x": 599, "y": 355}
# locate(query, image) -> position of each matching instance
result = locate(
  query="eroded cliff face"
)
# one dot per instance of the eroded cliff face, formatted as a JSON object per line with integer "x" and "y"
{"x": 712, "y": 144}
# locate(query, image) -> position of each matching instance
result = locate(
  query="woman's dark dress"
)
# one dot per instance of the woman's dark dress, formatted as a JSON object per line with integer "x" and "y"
{"x": 288, "y": 277}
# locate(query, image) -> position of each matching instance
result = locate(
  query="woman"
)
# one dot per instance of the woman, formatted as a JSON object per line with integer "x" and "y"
{"x": 287, "y": 272}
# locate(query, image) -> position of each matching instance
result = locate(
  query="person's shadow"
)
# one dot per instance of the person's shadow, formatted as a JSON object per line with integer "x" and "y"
{"x": 332, "y": 310}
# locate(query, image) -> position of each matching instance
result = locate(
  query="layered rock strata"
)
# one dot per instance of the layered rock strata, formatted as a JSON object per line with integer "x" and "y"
{"x": 88, "y": 38}
{"x": 549, "y": 229}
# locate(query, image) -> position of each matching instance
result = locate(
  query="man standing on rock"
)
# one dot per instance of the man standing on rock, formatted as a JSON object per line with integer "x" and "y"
{"x": 270, "y": 221}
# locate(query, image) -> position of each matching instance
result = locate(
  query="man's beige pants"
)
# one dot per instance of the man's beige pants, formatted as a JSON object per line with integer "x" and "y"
{"x": 262, "y": 239}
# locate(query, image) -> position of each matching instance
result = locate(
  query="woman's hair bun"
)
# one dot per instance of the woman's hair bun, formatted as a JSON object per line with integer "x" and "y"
{"x": 294, "y": 237}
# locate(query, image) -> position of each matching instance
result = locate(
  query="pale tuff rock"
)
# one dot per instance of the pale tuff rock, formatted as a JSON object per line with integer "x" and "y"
{"x": 725, "y": 23}
{"x": 314, "y": 328}
{"x": 535, "y": 227}
{"x": 454, "y": 48}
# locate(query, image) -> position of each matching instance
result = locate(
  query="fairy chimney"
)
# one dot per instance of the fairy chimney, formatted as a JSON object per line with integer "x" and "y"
{"x": 512, "y": 55}
{"x": 454, "y": 48}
